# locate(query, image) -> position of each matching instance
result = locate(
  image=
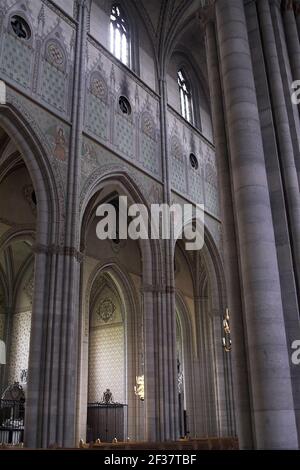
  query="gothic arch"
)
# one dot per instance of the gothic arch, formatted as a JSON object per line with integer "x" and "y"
{"x": 36, "y": 159}
{"x": 150, "y": 249}
{"x": 189, "y": 353}
{"x": 131, "y": 307}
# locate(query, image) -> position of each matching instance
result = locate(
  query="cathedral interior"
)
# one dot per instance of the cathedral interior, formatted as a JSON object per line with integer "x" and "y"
{"x": 141, "y": 340}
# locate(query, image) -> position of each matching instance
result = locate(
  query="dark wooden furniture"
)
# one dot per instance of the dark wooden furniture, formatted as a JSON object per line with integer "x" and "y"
{"x": 106, "y": 422}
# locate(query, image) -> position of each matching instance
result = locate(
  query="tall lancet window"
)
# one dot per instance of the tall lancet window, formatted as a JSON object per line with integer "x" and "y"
{"x": 185, "y": 96}
{"x": 119, "y": 35}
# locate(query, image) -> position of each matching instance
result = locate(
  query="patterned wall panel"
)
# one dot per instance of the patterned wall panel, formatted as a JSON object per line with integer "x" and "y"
{"x": 106, "y": 362}
{"x": 125, "y": 135}
{"x": 55, "y": 73}
{"x": 106, "y": 343}
{"x": 201, "y": 186}
{"x": 195, "y": 185}
{"x": 53, "y": 86}
{"x": 149, "y": 147}
{"x": 178, "y": 165}
{"x": 134, "y": 136}
{"x": 17, "y": 45}
{"x": 17, "y": 58}
{"x": 37, "y": 52}
{"x": 97, "y": 111}
{"x": 97, "y": 160}
{"x": 20, "y": 340}
{"x": 211, "y": 180}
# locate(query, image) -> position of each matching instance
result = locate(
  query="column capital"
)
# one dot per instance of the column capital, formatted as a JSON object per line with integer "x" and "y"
{"x": 206, "y": 14}
{"x": 158, "y": 288}
{"x": 59, "y": 250}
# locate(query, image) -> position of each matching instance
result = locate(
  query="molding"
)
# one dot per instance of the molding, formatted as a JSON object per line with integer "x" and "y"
{"x": 61, "y": 13}
{"x": 59, "y": 250}
{"x": 158, "y": 289}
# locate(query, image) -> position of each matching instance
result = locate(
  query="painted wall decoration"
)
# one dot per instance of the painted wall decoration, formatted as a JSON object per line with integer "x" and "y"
{"x": 178, "y": 167}
{"x": 38, "y": 56}
{"x": 20, "y": 339}
{"x": 60, "y": 150}
{"x": 59, "y": 136}
{"x": 106, "y": 344}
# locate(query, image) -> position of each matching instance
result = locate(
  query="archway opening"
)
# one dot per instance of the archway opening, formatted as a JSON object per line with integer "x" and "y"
{"x": 112, "y": 342}
{"x": 18, "y": 213}
{"x": 204, "y": 374}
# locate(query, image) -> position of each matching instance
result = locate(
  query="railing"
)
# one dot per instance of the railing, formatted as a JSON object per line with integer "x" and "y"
{"x": 11, "y": 421}
{"x": 107, "y": 422}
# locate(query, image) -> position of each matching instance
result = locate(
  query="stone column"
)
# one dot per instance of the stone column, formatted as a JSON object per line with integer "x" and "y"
{"x": 239, "y": 358}
{"x": 292, "y": 37}
{"x": 165, "y": 341}
{"x": 52, "y": 394}
{"x": 268, "y": 356}
{"x": 297, "y": 15}
{"x": 284, "y": 139}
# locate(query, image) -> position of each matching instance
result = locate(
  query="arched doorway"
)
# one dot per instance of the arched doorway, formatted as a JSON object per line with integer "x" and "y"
{"x": 120, "y": 268}
{"x": 29, "y": 213}
{"x": 204, "y": 369}
{"x": 18, "y": 213}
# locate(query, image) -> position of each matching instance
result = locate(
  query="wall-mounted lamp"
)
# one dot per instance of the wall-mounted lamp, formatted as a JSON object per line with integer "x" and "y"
{"x": 226, "y": 340}
{"x": 2, "y": 352}
{"x": 139, "y": 388}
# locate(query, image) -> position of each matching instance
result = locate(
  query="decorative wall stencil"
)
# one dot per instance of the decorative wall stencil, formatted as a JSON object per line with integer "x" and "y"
{"x": 149, "y": 151}
{"x": 98, "y": 86}
{"x": 105, "y": 162}
{"x": 97, "y": 114}
{"x": 53, "y": 86}
{"x": 17, "y": 59}
{"x": 105, "y": 304}
{"x": 97, "y": 111}
{"x": 106, "y": 363}
{"x": 20, "y": 340}
{"x": 55, "y": 79}
{"x": 129, "y": 128}
{"x": 147, "y": 125}
{"x": 106, "y": 310}
{"x": 55, "y": 54}
{"x": 178, "y": 165}
{"x": 88, "y": 150}
{"x": 211, "y": 189}
{"x": 60, "y": 151}
{"x": 198, "y": 184}
{"x": 44, "y": 125}
{"x": 125, "y": 134}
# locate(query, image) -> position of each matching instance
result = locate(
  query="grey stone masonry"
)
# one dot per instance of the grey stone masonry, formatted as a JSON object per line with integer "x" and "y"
{"x": 270, "y": 382}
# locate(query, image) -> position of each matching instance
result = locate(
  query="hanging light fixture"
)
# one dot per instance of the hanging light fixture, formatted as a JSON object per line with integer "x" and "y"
{"x": 139, "y": 388}
{"x": 226, "y": 340}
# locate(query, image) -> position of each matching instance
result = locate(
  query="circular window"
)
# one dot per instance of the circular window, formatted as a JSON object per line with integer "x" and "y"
{"x": 124, "y": 105}
{"x": 20, "y": 27}
{"x": 194, "y": 161}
